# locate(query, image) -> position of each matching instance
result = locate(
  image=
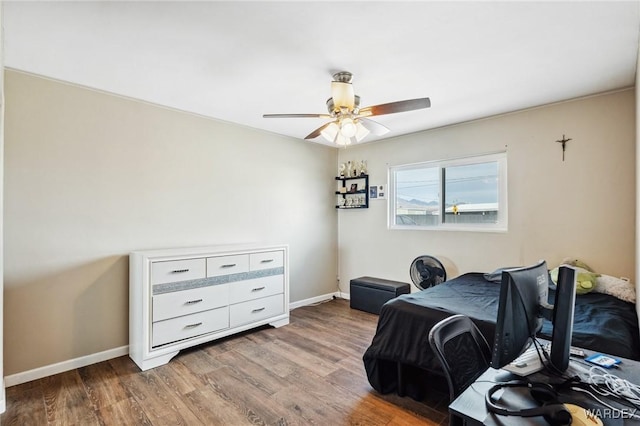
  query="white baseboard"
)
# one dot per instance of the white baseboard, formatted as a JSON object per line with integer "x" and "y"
{"x": 313, "y": 300}
{"x": 3, "y": 400}
{"x": 61, "y": 367}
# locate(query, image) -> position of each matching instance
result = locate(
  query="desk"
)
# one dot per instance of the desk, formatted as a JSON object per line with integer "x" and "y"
{"x": 470, "y": 405}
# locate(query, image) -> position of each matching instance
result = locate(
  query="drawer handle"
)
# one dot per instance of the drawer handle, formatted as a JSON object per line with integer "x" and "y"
{"x": 228, "y": 265}
{"x": 193, "y": 325}
{"x": 177, "y": 271}
{"x": 266, "y": 260}
{"x": 258, "y": 288}
{"x": 191, "y": 302}
{"x": 257, "y": 310}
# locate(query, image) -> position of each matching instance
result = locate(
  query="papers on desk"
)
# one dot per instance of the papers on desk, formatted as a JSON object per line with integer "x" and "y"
{"x": 605, "y": 361}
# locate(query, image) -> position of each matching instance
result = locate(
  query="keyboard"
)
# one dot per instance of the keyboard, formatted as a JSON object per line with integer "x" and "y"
{"x": 527, "y": 363}
{"x": 572, "y": 351}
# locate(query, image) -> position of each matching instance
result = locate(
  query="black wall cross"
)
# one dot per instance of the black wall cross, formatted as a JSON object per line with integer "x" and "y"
{"x": 563, "y": 141}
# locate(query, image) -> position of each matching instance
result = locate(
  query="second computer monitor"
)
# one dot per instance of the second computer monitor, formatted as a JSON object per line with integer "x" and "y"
{"x": 563, "y": 308}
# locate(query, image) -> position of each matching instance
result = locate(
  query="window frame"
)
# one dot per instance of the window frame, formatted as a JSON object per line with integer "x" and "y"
{"x": 500, "y": 226}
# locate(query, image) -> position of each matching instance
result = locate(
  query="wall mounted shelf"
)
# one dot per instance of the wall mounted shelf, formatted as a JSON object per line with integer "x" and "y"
{"x": 353, "y": 192}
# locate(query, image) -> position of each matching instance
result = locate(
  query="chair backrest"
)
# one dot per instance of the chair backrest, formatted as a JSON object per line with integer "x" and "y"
{"x": 462, "y": 351}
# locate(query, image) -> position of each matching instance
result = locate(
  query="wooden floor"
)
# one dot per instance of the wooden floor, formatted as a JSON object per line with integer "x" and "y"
{"x": 308, "y": 372}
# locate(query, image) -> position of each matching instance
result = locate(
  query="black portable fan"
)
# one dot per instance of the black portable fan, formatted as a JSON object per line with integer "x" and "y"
{"x": 427, "y": 271}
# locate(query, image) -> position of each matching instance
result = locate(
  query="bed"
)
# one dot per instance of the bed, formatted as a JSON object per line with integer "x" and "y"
{"x": 400, "y": 359}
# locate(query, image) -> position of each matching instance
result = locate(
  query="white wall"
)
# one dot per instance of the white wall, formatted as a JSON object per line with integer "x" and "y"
{"x": 2, "y": 394}
{"x": 90, "y": 177}
{"x": 637, "y": 234}
{"x": 583, "y": 207}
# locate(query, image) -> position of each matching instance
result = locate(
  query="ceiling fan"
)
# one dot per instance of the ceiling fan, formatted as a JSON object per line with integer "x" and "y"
{"x": 350, "y": 123}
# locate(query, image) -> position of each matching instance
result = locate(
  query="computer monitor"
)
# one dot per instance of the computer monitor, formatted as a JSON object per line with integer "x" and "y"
{"x": 524, "y": 295}
{"x": 563, "y": 307}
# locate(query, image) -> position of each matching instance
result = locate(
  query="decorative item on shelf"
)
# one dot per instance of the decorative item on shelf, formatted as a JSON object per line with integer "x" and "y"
{"x": 363, "y": 168}
{"x": 343, "y": 190}
{"x": 356, "y": 168}
{"x": 352, "y": 169}
{"x": 341, "y": 202}
{"x": 354, "y": 187}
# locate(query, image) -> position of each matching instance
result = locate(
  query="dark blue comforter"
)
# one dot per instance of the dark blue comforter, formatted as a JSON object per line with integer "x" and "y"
{"x": 400, "y": 350}
{"x": 603, "y": 323}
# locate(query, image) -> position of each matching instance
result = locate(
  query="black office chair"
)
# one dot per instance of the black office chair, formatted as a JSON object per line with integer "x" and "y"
{"x": 463, "y": 353}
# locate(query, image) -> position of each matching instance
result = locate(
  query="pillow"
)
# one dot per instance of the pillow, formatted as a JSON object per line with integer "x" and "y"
{"x": 621, "y": 288}
{"x": 585, "y": 280}
{"x": 576, "y": 263}
{"x": 496, "y": 276}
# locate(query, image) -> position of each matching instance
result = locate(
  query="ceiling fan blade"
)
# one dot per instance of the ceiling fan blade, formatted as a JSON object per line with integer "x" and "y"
{"x": 373, "y": 126}
{"x": 296, "y": 116}
{"x": 317, "y": 131}
{"x": 393, "y": 107}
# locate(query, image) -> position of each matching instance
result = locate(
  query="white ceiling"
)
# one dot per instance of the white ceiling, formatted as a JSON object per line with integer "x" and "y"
{"x": 237, "y": 60}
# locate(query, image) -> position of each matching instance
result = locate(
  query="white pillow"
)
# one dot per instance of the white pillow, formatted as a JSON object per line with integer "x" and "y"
{"x": 617, "y": 287}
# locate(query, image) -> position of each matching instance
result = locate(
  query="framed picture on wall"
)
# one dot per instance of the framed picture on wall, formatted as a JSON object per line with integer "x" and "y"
{"x": 373, "y": 192}
{"x": 376, "y": 192}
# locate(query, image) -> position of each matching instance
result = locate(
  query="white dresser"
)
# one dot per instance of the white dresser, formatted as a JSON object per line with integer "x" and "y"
{"x": 184, "y": 297}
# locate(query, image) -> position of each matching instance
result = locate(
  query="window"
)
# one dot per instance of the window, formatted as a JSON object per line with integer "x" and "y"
{"x": 462, "y": 194}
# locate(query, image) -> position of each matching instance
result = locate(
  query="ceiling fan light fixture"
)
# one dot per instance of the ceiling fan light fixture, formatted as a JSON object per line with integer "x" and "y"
{"x": 330, "y": 132}
{"x": 342, "y": 94}
{"x": 342, "y": 140}
{"x": 348, "y": 127}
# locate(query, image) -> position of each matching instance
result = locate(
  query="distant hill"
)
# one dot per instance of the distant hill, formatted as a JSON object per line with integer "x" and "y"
{"x": 417, "y": 202}
{"x": 414, "y": 203}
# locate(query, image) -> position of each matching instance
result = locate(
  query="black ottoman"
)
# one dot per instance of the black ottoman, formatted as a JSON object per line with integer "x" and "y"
{"x": 369, "y": 294}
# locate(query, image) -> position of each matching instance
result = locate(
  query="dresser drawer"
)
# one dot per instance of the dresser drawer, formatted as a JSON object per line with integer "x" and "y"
{"x": 255, "y": 310}
{"x": 177, "y": 270}
{"x": 188, "y": 326}
{"x": 266, "y": 260}
{"x": 225, "y": 265}
{"x": 179, "y": 303}
{"x": 242, "y": 291}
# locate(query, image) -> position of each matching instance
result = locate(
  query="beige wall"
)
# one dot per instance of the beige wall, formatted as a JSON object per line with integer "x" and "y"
{"x": 90, "y": 177}
{"x": 583, "y": 207}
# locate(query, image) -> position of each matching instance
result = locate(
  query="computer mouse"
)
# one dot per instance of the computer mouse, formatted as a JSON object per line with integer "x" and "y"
{"x": 580, "y": 416}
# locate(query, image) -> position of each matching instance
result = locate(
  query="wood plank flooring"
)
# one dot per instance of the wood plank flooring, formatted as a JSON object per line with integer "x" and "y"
{"x": 308, "y": 372}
